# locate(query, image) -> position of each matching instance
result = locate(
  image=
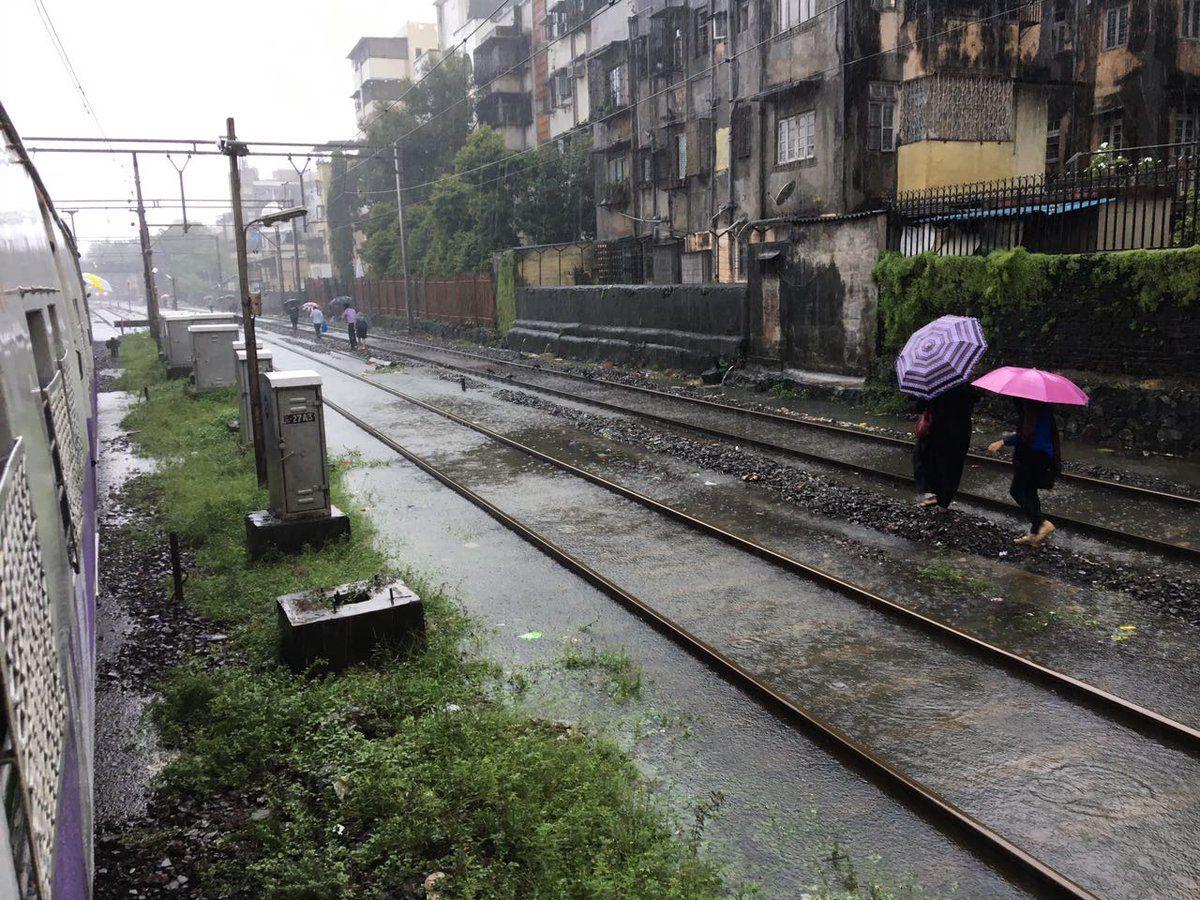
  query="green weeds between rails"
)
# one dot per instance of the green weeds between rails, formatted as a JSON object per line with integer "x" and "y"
{"x": 364, "y": 784}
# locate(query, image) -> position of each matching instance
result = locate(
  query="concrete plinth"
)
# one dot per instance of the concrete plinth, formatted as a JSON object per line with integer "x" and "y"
{"x": 344, "y": 625}
{"x": 265, "y": 531}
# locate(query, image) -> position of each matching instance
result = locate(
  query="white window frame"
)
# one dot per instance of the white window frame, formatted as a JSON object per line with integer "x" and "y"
{"x": 681, "y": 155}
{"x": 790, "y": 13}
{"x": 1187, "y": 131}
{"x": 796, "y": 138}
{"x": 881, "y": 105}
{"x": 1116, "y": 27}
{"x": 1112, "y": 132}
{"x": 616, "y": 84}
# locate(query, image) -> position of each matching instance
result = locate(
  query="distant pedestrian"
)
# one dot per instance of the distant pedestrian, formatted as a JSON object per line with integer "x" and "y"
{"x": 317, "y": 318}
{"x": 293, "y": 311}
{"x": 943, "y": 438}
{"x": 1037, "y": 461}
{"x": 360, "y": 328}
{"x": 351, "y": 317}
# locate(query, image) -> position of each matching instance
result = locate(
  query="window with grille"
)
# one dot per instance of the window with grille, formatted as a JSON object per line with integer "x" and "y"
{"x": 1060, "y": 29}
{"x": 1189, "y": 24}
{"x": 797, "y": 138}
{"x": 680, "y": 156}
{"x": 743, "y": 15}
{"x": 720, "y": 26}
{"x": 1112, "y": 131}
{"x": 881, "y": 116}
{"x": 1116, "y": 27}
{"x": 616, "y": 86}
{"x": 1185, "y": 134}
{"x": 700, "y": 31}
{"x": 1053, "y": 143}
{"x": 616, "y": 170}
{"x": 791, "y": 13}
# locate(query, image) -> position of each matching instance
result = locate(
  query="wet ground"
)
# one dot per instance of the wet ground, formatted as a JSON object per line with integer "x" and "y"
{"x": 1090, "y": 797}
{"x": 782, "y": 803}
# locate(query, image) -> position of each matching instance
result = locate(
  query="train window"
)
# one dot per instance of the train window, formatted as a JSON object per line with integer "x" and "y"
{"x": 39, "y": 337}
{"x": 55, "y": 330}
{"x": 79, "y": 362}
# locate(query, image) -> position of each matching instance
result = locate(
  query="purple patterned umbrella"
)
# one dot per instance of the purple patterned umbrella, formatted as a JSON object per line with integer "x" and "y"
{"x": 940, "y": 356}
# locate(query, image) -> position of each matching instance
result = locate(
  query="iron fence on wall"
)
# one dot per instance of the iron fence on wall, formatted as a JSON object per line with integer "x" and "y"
{"x": 466, "y": 299}
{"x": 619, "y": 261}
{"x": 1151, "y": 205}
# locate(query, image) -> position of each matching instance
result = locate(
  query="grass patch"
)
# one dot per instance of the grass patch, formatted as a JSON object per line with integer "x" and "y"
{"x": 370, "y": 781}
{"x": 947, "y": 575}
{"x": 623, "y": 679}
{"x": 140, "y": 365}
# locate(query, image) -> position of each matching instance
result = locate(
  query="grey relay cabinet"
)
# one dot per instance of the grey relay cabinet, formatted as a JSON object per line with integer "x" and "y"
{"x": 245, "y": 438}
{"x": 177, "y": 343}
{"x": 294, "y": 435}
{"x": 213, "y": 362}
{"x": 299, "y": 511}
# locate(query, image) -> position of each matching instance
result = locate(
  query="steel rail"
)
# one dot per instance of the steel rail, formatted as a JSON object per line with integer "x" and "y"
{"x": 1165, "y": 548}
{"x": 1015, "y": 863}
{"x": 1135, "y": 716}
{"x": 854, "y": 433}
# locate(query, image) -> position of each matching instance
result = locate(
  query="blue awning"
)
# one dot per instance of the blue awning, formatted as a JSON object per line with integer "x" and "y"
{"x": 1008, "y": 212}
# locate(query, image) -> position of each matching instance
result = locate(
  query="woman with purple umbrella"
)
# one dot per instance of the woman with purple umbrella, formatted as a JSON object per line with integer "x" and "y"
{"x": 1037, "y": 456}
{"x": 934, "y": 366}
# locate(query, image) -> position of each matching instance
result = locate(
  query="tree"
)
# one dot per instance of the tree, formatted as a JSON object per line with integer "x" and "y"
{"x": 339, "y": 216}
{"x": 553, "y": 196}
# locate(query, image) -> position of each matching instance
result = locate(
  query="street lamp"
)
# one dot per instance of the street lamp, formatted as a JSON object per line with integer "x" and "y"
{"x": 248, "y": 311}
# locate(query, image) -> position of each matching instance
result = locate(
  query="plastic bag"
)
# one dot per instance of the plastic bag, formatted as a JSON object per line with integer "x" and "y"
{"x": 324, "y": 327}
{"x": 924, "y": 425}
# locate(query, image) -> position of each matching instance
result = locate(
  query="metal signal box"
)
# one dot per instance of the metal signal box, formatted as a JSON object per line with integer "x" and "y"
{"x": 245, "y": 435}
{"x": 177, "y": 343}
{"x": 294, "y": 439}
{"x": 213, "y": 363}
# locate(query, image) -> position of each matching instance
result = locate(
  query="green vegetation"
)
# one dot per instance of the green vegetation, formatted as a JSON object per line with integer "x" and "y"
{"x": 363, "y": 785}
{"x": 944, "y": 574}
{"x": 506, "y": 292}
{"x": 467, "y": 196}
{"x": 1006, "y": 287}
{"x": 623, "y": 678}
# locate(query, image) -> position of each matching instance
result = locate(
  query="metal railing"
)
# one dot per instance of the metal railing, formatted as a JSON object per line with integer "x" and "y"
{"x": 1111, "y": 205}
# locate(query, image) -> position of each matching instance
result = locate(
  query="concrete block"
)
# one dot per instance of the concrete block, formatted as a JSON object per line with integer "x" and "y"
{"x": 265, "y": 531}
{"x": 344, "y": 625}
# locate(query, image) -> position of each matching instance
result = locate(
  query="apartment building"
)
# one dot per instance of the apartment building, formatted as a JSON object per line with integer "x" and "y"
{"x": 382, "y": 65}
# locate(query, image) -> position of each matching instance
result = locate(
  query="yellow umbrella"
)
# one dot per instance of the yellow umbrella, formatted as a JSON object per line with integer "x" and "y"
{"x": 95, "y": 281}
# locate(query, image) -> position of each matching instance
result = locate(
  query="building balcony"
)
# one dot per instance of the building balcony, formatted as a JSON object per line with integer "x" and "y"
{"x": 503, "y": 49}
{"x": 502, "y": 109}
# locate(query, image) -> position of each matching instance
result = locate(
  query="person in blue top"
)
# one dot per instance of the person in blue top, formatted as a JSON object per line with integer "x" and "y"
{"x": 1037, "y": 460}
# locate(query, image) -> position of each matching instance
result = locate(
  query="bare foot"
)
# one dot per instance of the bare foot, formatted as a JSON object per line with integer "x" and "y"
{"x": 928, "y": 500}
{"x": 1024, "y": 539}
{"x": 1043, "y": 533}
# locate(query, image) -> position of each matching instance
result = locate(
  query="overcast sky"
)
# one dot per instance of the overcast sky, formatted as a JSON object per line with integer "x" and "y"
{"x": 178, "y": 69}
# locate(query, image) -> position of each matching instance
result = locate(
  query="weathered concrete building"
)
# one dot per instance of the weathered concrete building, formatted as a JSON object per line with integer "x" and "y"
{"x": 1134, "y": 69}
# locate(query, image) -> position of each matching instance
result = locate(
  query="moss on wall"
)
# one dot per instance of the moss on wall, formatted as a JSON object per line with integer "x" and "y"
{"x": 1124, "y": 312}
{"x": 506, "y": 292}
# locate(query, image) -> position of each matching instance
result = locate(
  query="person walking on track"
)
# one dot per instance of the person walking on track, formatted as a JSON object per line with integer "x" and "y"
{"x": 360, "y": 328}
{"x": 317, "y": 318}
{"x": 1037, "y": 460}
{"x": 943, "y": 439}
{"x": 351, "y": 317}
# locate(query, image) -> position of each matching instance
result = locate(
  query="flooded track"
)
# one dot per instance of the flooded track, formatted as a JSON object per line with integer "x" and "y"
{"x": 1089, "y": 796}
{"x": 1158, "y": 522}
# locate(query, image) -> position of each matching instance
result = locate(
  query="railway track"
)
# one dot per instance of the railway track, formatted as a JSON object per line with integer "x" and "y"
{"x": 1170, "y": 505}
{"x": 1025, "y": 866}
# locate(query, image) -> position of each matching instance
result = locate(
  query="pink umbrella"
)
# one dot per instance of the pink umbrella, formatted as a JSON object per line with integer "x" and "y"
{"x": 1032, "y": 384}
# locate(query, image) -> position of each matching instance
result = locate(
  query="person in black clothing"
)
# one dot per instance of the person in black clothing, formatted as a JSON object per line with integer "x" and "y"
{"x": 1037, "y": 460}
{"x": 940, "y": 453}
{"x": 293, "y": 311}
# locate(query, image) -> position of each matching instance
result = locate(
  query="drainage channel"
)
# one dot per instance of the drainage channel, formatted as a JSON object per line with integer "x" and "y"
{"x": 1144, "y": 720}
{"x": 1183, "y": 550}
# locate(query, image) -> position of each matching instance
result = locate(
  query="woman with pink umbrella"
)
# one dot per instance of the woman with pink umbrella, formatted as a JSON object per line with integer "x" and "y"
{"x": 1037, "y": 456}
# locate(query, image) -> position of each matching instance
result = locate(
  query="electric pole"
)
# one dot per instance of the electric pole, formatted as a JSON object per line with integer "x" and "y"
{"x": 408, "y": 294}
{"x": 235, "y": 149}
{"x": 147, "y": 258}
{"x": 279, "y": 261}
{"x": 296, "y": 251}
